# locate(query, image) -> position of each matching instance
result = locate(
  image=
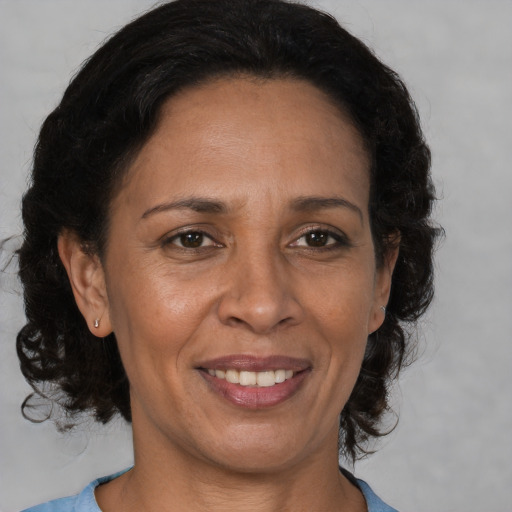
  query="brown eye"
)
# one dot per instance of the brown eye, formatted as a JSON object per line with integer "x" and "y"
{"x": 191, "y": 240}
{"x": 321, "y": 239}
{"x": 317, "y": 238}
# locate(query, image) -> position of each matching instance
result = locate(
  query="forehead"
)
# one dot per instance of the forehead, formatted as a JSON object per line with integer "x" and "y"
{"x": 238, "y": 136}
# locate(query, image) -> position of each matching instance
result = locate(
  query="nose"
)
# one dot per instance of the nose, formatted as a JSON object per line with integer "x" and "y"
{"x": 260, "y": 294}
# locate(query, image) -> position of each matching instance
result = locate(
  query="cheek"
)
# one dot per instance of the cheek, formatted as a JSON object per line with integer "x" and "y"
{"x": 344, "y": 305}
{"x": 159, "y": 319}
{"x": 151, "y": 317}
{"x": 342, "y": 315}
{"x": 147, "y": 297}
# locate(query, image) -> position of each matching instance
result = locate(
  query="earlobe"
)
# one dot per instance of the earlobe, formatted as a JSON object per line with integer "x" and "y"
{"x": 87, "y": 279}
{"x": 383, "y": 282}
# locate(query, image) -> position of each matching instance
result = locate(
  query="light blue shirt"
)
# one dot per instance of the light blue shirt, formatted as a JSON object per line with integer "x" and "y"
{"x": 86, "y": 502}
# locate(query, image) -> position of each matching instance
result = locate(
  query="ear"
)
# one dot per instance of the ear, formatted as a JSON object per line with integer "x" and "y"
{"x": 383, "y": 280}
{"x": 87, "y": 279}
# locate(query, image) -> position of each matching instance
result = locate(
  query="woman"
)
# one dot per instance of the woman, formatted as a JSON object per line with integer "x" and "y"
{"x": 227, "y": 238}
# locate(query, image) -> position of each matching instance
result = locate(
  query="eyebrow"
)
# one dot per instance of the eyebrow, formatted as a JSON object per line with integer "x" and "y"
{"x": 198, "y": 204}
{"x": 206, "y": 205}
{"x": 307, "y": 204}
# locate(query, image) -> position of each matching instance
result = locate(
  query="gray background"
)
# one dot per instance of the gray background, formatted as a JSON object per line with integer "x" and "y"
{"x": 452, "y": 450}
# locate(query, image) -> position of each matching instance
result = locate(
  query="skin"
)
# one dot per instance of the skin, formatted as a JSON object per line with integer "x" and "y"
{"x": 256, "y": 285}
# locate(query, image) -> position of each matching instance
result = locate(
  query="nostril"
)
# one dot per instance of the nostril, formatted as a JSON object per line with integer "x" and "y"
{"x": 236, "y": 321}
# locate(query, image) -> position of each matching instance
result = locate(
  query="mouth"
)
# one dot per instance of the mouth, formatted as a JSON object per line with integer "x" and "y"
{"x": 255, "y": 383}
{"x": 264, "y": 379}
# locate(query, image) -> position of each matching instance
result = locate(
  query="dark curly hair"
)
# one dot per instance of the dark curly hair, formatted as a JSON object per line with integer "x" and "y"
{"x": 109, "y": 111}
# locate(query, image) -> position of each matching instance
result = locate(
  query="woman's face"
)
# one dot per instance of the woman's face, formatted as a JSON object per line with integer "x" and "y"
{"x": 240, "y": 250}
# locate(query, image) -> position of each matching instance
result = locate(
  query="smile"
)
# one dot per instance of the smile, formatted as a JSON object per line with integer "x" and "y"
{"x": 255, "y": 382}
{"x": 263, "y": 379}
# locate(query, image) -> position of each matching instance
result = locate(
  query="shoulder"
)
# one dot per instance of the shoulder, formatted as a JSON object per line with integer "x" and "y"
{"x": 374, "y": 503}
{"x": 61, "y": 505}
{"x": 83, "y": 502}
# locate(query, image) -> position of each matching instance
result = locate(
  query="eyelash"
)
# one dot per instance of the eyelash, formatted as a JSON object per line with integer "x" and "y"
{"x": 170, "y": 240}
{"x": 340, "y": 240}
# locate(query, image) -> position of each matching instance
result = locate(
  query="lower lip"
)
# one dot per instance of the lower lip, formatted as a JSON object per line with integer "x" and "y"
{"x": 253, "y": 397}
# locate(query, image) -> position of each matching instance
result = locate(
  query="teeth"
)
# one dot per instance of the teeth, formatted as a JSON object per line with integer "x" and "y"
{"x": 232, "y": 376}
{"x": 266, "y": 379}
{"x": 245, "y": 378}
{"x": 280, "y": 376}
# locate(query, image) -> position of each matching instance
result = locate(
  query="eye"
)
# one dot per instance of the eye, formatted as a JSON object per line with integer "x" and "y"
{"x": 320, "y": 238}
{"x": 317, "y": 238}
{"x": 191, "y": 240}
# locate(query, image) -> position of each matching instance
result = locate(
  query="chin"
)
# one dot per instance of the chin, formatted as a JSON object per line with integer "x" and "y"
{"x": 262, "y": 449}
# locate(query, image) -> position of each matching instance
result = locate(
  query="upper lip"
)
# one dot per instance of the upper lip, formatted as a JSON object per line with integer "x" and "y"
{"x": 252, "y": 363}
